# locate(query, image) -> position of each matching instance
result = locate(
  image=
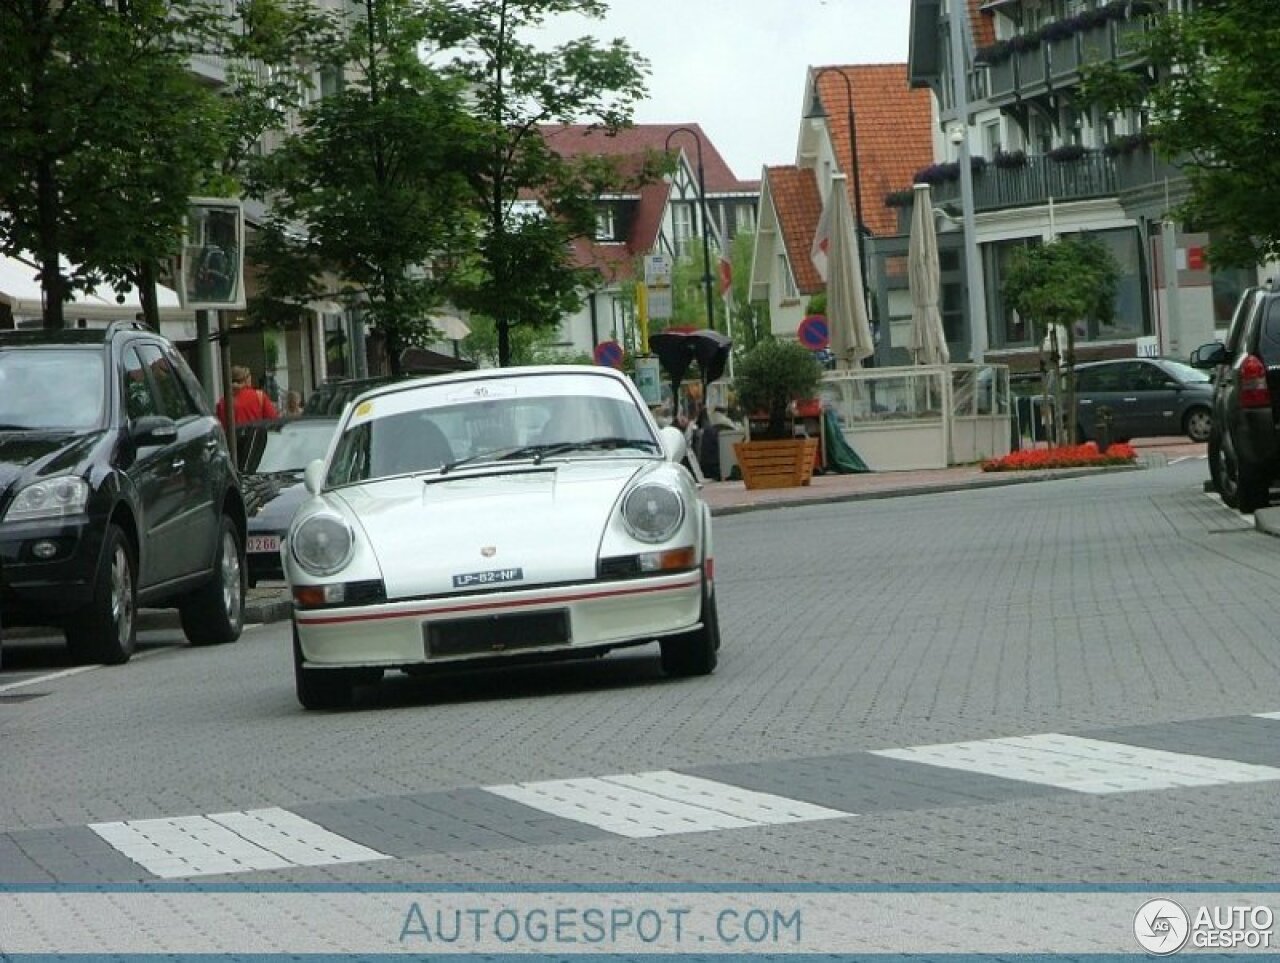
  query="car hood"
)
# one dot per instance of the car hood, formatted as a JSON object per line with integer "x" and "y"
{"x": 429, "y": 533}
{"x": 27, "y": 455}
{"x": 271, "y": 500}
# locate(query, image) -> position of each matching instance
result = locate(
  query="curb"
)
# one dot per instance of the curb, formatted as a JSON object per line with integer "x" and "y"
{"x": 268, "y": 611}
{"x": 1267, "y": 521}
{"x": 999, "y": 480}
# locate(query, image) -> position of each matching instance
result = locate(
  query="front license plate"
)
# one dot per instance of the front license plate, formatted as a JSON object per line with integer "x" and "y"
{"x": 260, "y": 544}
{"x": 497, "y": 633}
{"x": 495, "y": 577}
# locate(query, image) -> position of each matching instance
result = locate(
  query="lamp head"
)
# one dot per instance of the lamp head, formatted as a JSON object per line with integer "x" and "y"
{"x": 957, "y": 135}
{"x": 816, "y": 111}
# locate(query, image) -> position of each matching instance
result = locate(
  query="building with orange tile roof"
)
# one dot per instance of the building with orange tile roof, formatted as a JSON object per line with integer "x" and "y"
{"x": 872, "y": 108}
{"x": 662, "y": 216}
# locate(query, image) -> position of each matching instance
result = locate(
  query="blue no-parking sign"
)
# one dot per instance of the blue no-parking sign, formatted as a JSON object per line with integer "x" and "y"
{"x": 609, "y": 354}
{"x": 814, "y": 333}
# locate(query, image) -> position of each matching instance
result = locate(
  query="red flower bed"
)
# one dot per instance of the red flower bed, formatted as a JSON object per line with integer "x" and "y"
{"x": 1067, "y": 456}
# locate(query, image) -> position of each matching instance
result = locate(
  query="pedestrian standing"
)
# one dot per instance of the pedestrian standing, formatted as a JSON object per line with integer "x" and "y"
{"x": 251, "y": 404}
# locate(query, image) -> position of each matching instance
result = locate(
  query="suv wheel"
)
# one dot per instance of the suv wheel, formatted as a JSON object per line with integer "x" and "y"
{"x": 1245, "y": 487}
{"x": 1198, "y": 424}
{"x": 214, "y": 613}
{"x": 106, "y": 630}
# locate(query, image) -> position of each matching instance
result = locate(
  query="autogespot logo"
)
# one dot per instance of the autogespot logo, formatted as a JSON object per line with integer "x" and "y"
{"x": 1161, "y": 926}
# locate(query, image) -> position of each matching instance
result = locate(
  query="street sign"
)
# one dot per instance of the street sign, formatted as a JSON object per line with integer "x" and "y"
{"x": 813, "y": 332}
{"x": 657, "y": 271}
{"x": 609, "y": 354}
{"x": 649, "y": 380}
{"x": 660, "y": 303}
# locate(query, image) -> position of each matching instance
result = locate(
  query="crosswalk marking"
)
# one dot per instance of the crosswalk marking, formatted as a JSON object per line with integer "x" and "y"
{"x": 1083, "y": 765}
{"x": 641, "y": 805}
{"x": 229, "y": 843}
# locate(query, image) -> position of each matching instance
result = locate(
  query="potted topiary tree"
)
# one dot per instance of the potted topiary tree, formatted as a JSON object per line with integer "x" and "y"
{"x": 768, "y": 380}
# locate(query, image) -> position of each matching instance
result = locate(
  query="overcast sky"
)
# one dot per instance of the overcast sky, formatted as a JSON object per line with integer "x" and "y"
{"x": 737, "y": 67}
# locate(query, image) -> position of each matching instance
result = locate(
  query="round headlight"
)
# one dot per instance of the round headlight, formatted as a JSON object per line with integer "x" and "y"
{"x": 322, "y": 544}
{"x": 653, "y": 512}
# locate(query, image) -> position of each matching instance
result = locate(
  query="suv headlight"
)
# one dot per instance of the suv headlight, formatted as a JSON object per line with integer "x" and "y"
{"x": 51, "y": 498}
{"x": 322, "y": 544}
{"x": 652, "y": 512}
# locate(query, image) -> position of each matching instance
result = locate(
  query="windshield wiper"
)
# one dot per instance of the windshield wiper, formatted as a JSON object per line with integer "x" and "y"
{"x": 539, "y": 452}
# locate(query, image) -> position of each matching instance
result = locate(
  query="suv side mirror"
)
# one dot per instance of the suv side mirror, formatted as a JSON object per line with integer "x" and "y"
{"x": 150, "y": 431}
{"x": 1209, "y": 355}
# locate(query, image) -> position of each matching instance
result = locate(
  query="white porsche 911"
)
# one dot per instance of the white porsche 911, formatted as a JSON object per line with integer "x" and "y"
{"x": 492, "y": 516}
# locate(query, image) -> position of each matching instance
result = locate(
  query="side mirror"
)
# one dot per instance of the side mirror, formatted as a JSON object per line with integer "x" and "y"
{"x": 673, "y": 443}
{"x": 313, "y": 476}
{"x": 150, "y": 431}
{"x": 1209, "y": 355}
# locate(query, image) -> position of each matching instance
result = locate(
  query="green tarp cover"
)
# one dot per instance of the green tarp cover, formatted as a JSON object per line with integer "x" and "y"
{"x": 841, "y": 458}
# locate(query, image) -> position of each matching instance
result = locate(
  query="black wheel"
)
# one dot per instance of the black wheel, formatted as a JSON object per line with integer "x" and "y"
{"x": 694, "y": 653}
{"x": 1198, "y": 424}
{"x": 320, "y": 688}
{"x": 1215, "y": 460}
{"x": 214, "y": 613}
{"x": 1253, "y": 489}
{"x": 106, "y": 630}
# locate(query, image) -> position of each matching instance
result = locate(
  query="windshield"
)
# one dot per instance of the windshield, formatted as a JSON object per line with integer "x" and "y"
{"x": 295, "y": 445}
{"x": 60, "y": 389}
{"x": 521, "y": 417}
{"x": 1187, "y": 374}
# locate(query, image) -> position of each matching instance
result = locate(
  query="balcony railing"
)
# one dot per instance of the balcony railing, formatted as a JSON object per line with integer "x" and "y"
{"x": 1142, "y": 167}
{"x": 994, "y": 188}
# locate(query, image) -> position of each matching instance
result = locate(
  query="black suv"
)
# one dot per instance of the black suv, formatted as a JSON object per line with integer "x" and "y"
{"x": 1244, "y": 443}
{"x": 116, "y": 490}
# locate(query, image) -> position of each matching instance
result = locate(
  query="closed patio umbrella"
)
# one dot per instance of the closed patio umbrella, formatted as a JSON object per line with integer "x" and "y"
{"x": 846, "y": 306}
{"x": 927, "y": 341}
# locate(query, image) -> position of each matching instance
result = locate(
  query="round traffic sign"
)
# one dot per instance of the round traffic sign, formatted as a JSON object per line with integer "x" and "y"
{"x": 813, "y": 332}
{"x": 609, "y": 354}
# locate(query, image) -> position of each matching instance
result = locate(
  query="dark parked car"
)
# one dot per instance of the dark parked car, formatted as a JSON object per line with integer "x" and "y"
{"x": 1146, "y": 397}
{"x": 273, "y": 455}
{"x": 116, "y": 490}
{"x": 1244, "y": 446}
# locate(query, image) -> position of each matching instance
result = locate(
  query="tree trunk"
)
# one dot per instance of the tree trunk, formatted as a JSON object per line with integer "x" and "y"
{"x": 49, "y": 254}
{"x": 504, "y": 343}
{"x": 147, "y": 294}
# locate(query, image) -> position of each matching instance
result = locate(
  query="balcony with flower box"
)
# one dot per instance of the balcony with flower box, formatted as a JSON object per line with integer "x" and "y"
{"x": 1030, "y": 180}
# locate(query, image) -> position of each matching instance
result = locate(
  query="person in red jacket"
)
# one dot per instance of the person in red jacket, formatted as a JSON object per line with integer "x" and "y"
{"x": 251, "y": 404}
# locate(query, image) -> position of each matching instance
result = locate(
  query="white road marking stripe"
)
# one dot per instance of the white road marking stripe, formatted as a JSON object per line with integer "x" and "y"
{"x": 1178, "y": 461}
{"x": 49, "y": 677}
{"x": 291, "y": 837}
{"x": 641, "y": 805}
{"x": 760, "y": 808}
{"x": 1267, "y": 715}
{"x": 1083, "y": 765}
{"x": 186, "y": 846}
{"x": 229, "y": 843}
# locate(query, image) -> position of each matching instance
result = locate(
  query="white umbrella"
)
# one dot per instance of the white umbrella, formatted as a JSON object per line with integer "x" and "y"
{"x": 927, "y": 342}
{"x": 846, "y": 307}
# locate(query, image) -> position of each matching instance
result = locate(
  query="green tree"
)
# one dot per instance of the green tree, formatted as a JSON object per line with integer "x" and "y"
{"x": 106, "y": 132}
{"x": 373, "y": 187}
{"x": 1213, "y": 104}
{"x": 1066, "y": 281}
{"x": 523, "y": 273}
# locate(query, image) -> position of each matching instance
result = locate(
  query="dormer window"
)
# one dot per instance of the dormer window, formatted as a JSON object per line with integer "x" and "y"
{"x": 606, "y": 230}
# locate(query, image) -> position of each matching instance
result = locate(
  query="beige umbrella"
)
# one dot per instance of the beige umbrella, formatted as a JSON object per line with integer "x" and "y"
{"x": 846, "y": 306}
{"x": 927, "y": 342}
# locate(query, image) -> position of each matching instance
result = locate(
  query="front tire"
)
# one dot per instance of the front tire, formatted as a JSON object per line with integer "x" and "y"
{"x": 320, "y": 688}
{"x": 1198, "y": 424}
{"x": 106, "y": 630}
{"x": 694, "y": 653}
{"x": 214, "y": 613}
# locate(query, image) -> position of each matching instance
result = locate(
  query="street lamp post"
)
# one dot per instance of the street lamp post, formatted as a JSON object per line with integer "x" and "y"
{"x": 960, "y": 138}
{"x": 706, "y": 240}
{"x": 816, "y": 111}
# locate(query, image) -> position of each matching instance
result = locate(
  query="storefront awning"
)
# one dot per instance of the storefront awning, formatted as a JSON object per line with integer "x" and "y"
{"x": 20, "y": 290}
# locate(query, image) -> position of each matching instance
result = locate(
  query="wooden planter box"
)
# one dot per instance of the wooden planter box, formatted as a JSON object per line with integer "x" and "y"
{"x": 776, "y": 464}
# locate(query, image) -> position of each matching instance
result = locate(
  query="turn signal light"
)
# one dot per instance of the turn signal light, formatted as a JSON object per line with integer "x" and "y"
{"x": 1254, "y": 392}
{"x": 674, "y": 560}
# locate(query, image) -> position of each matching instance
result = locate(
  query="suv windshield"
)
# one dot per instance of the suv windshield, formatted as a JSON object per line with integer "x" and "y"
{"x": 57, "y": 389}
